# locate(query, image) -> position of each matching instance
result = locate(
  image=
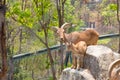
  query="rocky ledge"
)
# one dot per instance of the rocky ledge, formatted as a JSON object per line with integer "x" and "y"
{"x": 96, "y": 63}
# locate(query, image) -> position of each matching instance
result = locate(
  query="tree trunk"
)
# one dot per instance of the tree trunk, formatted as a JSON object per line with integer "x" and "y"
{"x": 49, "y": 54}
{"x": 3, "y": 72}
{"x": 60, "y": 11}
{"x": 33, "y": 74}
{"x": 11, "y": 69}
{"x": 118, "y": 22}
{"x": 52, "y": 64}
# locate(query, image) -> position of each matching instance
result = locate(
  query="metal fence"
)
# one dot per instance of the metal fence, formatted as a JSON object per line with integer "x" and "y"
{"x": 30, "y": 64}
{"x": 56, "y": 47}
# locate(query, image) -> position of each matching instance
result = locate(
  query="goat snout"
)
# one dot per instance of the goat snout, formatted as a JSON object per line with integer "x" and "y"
{"x": 61, "y": 39}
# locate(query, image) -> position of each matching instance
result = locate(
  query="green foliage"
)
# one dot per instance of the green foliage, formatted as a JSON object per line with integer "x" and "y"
{"x": 50, "y": 78}
{"x": 105, "y": 41}
{"x": 32, "y": 15}
{"x": 109, "y": 13}
{"x": 23, "y": 17}
{"x": 37, "y": 64}
{"x": 69, "y": 12}
{"x": 109, "y": 10}
{"x": 42, "y": 9}
{"x": 73, "y": 16}
{"x": 112, "y": 7}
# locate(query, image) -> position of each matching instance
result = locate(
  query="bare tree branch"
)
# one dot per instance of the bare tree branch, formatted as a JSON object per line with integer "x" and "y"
{"x": 35, "y": 35}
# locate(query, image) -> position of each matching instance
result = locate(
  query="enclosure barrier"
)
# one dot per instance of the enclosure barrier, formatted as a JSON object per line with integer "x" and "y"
{"x": 23, "y": 55}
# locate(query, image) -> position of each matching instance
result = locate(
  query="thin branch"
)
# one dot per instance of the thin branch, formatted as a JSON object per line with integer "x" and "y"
{"x": 36, "y": 35}
{"x": 12, "y": 39}
{"x": 63, "y": 2}
{"x": 35, "y": 1}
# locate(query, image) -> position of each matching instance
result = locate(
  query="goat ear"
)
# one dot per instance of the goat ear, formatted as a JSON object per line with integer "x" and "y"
{"x": 54, "y": 29}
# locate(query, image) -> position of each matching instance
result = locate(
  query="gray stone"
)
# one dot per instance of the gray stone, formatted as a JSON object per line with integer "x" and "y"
{"x": 72, "y": 74}
{"x": 96, "y": 63}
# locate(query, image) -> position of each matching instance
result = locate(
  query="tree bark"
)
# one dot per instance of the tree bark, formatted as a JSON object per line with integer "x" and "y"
{"x": 49, "y": 53}
{"x": 60, "y": 11}
{"x": 118, "y": 19}
{"x": 52, "y": 64}
{"x": 11, "y": 69}
{"x": 45, "y": 41}
{"x": 3, "y": 72}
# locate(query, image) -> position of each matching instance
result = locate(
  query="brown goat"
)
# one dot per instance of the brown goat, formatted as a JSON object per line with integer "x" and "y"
{"x": 78, "y": 51}
{"x": 90, "y": 36}
{"x": 113, "y": 71}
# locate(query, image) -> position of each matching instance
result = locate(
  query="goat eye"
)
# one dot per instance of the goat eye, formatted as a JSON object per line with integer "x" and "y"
{"x": 57, "y": 32}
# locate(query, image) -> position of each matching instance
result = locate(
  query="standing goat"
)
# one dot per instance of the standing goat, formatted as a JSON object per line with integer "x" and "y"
{"x": 78, "y": 51}
{"x": 90, "y": 36}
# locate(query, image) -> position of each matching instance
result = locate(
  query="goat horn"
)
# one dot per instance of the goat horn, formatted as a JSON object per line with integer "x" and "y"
{"x": 65, "y": 24}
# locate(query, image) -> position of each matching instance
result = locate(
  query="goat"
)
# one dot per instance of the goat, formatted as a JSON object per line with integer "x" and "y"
{"x": 90, "y": 36}
{"x": 114, "y": 74}
{"x": 78, "y": 51}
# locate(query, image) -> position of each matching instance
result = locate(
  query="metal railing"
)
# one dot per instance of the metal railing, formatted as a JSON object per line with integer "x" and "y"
{"x": 23, "y": 55}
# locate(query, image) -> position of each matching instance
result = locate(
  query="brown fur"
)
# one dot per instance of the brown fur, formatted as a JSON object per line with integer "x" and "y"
{"x": 78, "y": 51}
{"x": 90, "y": 36}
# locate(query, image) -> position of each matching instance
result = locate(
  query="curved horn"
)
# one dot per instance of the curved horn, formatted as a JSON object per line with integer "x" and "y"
{"x": 65, "y": 24}
{"x": 112, "y": 65}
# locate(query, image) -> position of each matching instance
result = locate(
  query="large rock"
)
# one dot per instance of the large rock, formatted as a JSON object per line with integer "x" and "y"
{"x": 72, "y": 74}
{"x": 96, "y": 62}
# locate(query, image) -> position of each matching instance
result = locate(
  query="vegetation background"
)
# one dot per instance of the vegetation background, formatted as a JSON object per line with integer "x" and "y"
{"x": 29, "y": 23}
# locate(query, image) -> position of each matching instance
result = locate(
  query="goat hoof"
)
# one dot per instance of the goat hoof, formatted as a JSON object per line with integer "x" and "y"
{"x": 81, "y": 66}
{"x": 73, "y": 67}
{"x": 78, "y": 69}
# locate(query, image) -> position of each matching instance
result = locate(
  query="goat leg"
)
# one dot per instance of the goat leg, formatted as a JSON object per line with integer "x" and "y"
{"x": 74, "y": 62}
{"x": 82, "y": 61}
{"x": 79, "y": 63}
